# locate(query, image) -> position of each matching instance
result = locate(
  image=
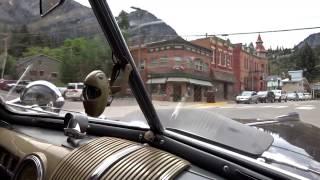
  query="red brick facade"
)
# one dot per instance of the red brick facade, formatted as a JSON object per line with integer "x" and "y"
{"x": 185, "y": 68}
{"x": 176, "y": 69}
{"x": 250, "y": 67}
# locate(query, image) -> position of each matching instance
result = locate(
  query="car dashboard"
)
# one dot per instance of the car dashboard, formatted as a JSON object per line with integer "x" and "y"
{"x": 36, "y": 153}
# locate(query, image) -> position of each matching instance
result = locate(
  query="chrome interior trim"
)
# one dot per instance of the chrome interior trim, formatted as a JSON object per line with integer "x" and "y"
{"x": 37, "y": 161}
{"x": 108, "y": 162}
{"x": 233, "y": 154}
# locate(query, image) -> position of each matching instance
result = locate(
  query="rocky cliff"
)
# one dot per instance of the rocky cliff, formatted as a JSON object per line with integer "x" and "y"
{"x": 74, "y": 20}
{"x": 313, "y": 41}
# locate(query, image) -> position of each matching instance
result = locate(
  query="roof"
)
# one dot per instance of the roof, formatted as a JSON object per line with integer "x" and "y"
{"x": 259, "y": 40}
{"x": 176, "y": 41}
{"x": 30, "y": 58}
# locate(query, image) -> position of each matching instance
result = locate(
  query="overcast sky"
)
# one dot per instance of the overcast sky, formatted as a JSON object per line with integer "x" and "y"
{"x": 191, "y": 17}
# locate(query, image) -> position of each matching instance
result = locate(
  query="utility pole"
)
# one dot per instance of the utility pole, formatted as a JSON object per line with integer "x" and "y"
{"x": 5, "y": 55}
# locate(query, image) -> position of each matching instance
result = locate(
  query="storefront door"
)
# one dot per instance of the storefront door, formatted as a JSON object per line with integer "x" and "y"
{"x": 176, "y": 92}
{"x": 197, "y": 93}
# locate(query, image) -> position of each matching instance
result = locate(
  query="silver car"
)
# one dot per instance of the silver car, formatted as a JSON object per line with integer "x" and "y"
{"x": 247, "y": 97}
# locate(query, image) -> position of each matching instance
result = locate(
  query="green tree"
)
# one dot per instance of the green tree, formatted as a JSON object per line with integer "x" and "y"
{"x": 306, "y": 60}
{"x": 19, "y": 41}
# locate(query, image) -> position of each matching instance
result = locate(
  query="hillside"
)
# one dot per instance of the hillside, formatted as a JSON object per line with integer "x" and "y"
{"x": 313, "y": 41}
{"x": 74, "y": 20}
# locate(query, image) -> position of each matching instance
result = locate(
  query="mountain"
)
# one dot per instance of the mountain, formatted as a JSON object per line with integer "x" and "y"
{"x": 313, "y": 41}
{"x": 75, "y": 20}
{"x": 145, "y": 27}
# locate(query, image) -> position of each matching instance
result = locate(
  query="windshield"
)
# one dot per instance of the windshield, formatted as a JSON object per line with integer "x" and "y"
{"x": 190, "y": 55}
{"x": 246, "y": 93}
{"x": 262, "y": 92}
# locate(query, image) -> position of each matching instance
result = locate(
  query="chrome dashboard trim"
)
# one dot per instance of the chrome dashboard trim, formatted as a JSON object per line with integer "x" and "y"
{"x": 37, "y": 161}
{"x": 108, "y": 162}
{"x": 233, "y": 154}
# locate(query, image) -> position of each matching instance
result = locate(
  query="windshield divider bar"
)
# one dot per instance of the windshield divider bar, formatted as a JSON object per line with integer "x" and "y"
{"x": 121, "y": 51}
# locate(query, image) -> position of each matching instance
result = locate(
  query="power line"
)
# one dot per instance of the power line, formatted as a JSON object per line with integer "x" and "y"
{"x": 268, "y": 31}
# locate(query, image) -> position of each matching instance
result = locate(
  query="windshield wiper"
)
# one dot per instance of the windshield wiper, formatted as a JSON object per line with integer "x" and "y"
{"x": 21, "y": 77}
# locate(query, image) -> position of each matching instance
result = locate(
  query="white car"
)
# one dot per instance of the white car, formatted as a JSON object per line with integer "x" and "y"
{"x": 301, "y": 96}
{"x": 280, "y": 95}
{"x": 247, "y": 97}
{"x": 74, "y": 91}
{"x": 292, "y": 96}
{"x": 307, "y": 96}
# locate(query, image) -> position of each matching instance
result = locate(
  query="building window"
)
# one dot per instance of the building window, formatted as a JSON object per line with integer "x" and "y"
{"x": 178, "y": 60}
{"x": 198, "y": 64}
{"x": 33, "y": 73}
{"x": 41, "y": 73}
{"x": 151, "y": 50}
{"x": 163, "y": 88}
{"x": 205, "y": 67}
{"x": 223, "y": 59}
{"x": 163, "y": 60}
{"x": 218, "y": 57}
{"x": 178, "y": 47}
{"x": 213, "y": 57}
{"x": 154, "y": 88}
{"x": 154, "y": 61}
{"x": 189, "y": 62}
{"x": 54, "y": 75}
{"x": 142, "y": 65}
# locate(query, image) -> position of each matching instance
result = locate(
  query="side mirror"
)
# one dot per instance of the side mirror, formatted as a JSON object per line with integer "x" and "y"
{"x": 46, "y": 6}
{"x": 95, "y": 93}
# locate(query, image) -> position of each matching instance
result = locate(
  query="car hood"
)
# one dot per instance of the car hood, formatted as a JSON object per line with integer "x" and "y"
{"x": 295, "y": 146}
{"x": 286, "y": 143}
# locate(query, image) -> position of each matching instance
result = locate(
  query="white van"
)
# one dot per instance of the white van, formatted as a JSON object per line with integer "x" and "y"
{"x": 280, "y": 95}
{"x": 74, "y": 91}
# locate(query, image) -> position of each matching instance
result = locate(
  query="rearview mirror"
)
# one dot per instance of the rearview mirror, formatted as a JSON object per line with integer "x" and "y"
{"x": 46, "y": 6}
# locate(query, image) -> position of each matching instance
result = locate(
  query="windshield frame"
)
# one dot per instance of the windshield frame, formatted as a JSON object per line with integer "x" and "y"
{"x": 123, "y": 57}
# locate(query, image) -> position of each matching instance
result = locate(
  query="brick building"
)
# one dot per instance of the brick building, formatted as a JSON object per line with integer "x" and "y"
{"x": 251, "y": 66}
{"x": 43, "y": 68}
{"x": 221, "y": 66}
{"x": 175, "y": 69}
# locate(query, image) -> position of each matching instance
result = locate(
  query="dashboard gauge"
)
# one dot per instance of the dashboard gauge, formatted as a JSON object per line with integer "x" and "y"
{"x": 30, "y": 168}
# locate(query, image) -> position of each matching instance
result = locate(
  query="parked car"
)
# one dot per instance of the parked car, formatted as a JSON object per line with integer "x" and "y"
{"x": 17, "y": 87}
{"x": 4, "y": 84}
{"x": 74, "y": 91}
{"x": 248, "y": 97}
{"x": 266, "y": 96}
{"x": 280, "y": 95}
{"x": 292, "y": 96}
{"x": 307, "y": 96}
{"x": 63, "y": 90}
{"x": 301, "y": 96}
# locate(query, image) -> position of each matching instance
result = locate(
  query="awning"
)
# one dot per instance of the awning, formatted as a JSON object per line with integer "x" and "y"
{"x": 200, "y": 82}
{"x": 177, "y": 79}
{"x": 157, "y": 81}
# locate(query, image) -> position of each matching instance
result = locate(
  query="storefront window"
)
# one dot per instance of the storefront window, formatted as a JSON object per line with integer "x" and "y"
{"x": 163, "y": 88}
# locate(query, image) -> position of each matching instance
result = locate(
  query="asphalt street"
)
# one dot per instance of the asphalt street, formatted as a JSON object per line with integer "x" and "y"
{"x": 308, "y": 110}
